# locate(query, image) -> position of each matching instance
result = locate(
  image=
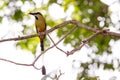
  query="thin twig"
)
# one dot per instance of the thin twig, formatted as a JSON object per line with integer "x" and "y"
{"x": 15, "y": 62}
{"x": 19, "y": 38}
{"x": 36, "y": 67}
{"x": 65, "y": 35}
{"x": 97, "y": 33}
{"x": 75, "y": 49}
{"x": 86, "y": 41}
{"x": 37, "y": 58}
{"x": 55, "y": 44}
{"x": 59, "y": 75}
{"x": 19, "y": 63}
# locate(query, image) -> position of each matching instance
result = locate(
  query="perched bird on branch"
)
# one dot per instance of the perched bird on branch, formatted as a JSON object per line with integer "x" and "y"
{"x": 40, "y": 24}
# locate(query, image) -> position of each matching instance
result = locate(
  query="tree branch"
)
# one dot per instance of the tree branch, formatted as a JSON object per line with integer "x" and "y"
{"x": 59, "y": 75}
{"x": 77, "y": 24}
{"x": 15, "y": 62}
{"x": 55, "y": 44}
{"x": 108, "y": 33}
{"x": 86, "y": 41}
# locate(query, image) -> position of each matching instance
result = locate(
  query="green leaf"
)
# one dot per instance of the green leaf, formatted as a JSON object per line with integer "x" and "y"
{"x": 29, "y": 44}
{"x": 52, "y": 1}
{"x": 0, "y": 19}
{"x": 18, "y": 15}
{"x": 108, "y": 66}
{"x": 90, "y": 78}
{"x": 102, "y": 43}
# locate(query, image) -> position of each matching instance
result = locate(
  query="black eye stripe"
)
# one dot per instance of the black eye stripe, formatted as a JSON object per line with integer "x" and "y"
{"x": 36, "y": 17}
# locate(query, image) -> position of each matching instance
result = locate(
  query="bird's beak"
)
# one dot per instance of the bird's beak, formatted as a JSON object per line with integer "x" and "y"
{"x": 32, "y": 13}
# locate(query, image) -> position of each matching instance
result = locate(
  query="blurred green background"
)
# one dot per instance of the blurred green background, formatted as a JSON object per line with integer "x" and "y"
{"x": 93, "y": 13}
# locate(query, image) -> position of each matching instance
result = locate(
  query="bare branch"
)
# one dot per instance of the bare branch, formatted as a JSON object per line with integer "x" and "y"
{"x": 35, "y": 35}
{"x": 19, "y": 63}
{"x": 18, "y": 38}
{"x": 95, "y": 34}
{"x": 15, "y": 62}
{"x": 77, "y": 24}
{"x": 38, "y": 57}
{"x": 86, "y": 41}
{"x": 55, "y": 44}
{"x": 108, "y": 33}
{"x": 59, "y": 75}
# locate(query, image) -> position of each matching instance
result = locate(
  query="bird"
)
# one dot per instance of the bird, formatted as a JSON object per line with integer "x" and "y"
{"x": 40, "y": 24}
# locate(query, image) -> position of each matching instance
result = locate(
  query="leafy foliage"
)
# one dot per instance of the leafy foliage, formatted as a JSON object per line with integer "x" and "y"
{"x": 89, "y": 12}
{"x": 18, "y": 15}
{"x": 30, "y": 44}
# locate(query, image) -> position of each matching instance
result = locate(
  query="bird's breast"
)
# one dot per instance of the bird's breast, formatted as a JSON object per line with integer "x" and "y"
{"x": 40, "y": 25}
{"x": 41, "y": 28}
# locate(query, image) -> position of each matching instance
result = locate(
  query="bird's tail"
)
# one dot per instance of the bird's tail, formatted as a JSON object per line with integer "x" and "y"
{"x": 42, "y": 44}
{"x": 43, "y": 70}
{"x": 42, "y": 49}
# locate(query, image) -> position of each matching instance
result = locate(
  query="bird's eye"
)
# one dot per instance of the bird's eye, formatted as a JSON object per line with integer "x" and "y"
{"x": 36, "y": 17}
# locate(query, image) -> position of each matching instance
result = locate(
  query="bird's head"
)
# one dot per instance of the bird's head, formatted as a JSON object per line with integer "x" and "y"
{"x": 37, "y": 15}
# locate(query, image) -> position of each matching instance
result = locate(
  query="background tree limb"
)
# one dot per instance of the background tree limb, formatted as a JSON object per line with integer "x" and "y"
{"x": 77, "y": 25}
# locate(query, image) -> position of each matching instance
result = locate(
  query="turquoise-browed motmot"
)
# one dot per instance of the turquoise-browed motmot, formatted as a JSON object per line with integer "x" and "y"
{"x": 40, "y": 24}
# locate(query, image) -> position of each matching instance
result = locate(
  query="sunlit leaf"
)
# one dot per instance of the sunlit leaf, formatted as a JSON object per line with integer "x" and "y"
{"x": 108, "y": 66}
{"x": 29, "y": 44}
{"x": 0, "y": 19}
{"x": 18, "y": 15}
